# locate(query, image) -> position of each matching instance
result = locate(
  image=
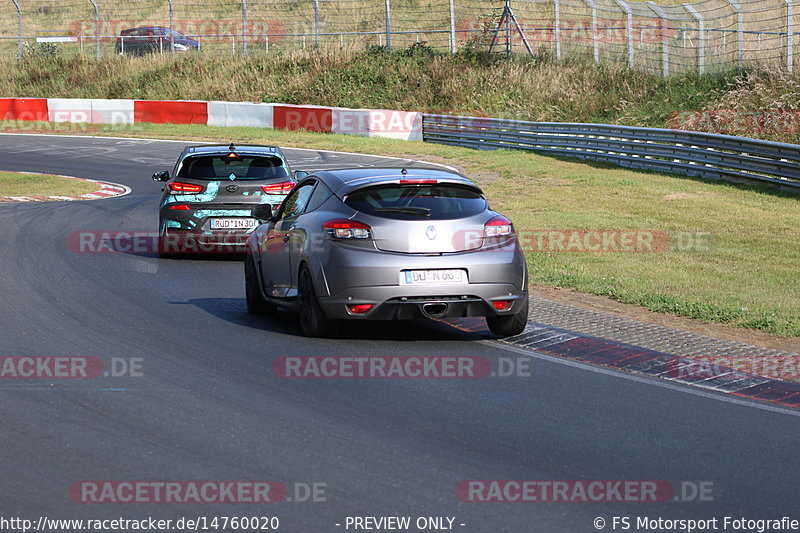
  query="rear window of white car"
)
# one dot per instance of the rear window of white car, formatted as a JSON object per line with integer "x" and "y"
{"x": 414, "y": 202}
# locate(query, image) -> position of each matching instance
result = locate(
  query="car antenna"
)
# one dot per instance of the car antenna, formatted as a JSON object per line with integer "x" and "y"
{"x": 404, "y": 172}
{"x": 232, "y": 148}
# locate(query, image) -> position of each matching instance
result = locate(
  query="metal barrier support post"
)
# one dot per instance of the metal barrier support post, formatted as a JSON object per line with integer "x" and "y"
{"x": 701, "y": 38}
{"x": 171, "y": 28}
{"x": 557, "y": 23}
{"x": 388, "y": 25}
{"x": 739, "y": 33}
{"x": 628, "y": 28}
{"x": 664, "y": 21}
{"x": 244, "y": 28}
{"x": 452, "y": 27}
{"x": 19, "y": 29}
{"x": 96, "y": 29}
{"x": 316, "y": 22}
{"x": 595, "y": 48}
{"x": 789, "y": 35}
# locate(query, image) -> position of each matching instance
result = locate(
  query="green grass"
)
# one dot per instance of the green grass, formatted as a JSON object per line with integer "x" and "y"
{"x": 746, "y": 275}
{"x": 24, "y": 184}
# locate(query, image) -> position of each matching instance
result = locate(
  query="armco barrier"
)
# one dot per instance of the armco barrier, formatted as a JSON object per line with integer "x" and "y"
{"x": 676, "y": 151}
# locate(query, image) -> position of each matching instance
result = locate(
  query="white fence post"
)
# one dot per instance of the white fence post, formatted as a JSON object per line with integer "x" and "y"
{"x": 701, "y": 38}
{"x": 789, "y": 35}
{"x": 595, "y": 48}
{"x": 628, "y": 28}
{"x": 453, "y": 48}
{"x": 664, "y": 21}
{"x": 557, "y": 10}
{"x": 739, "y": 33}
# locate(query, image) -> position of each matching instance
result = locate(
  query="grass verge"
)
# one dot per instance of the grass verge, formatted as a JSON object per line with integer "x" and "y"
{"x": 758, "y": 103}
{"x": 24, "y": 184}
{"x": 733, "y": 257}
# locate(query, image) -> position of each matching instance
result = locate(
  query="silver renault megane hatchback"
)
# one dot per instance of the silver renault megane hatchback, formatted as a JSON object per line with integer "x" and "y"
{"x": 386, "y": 244}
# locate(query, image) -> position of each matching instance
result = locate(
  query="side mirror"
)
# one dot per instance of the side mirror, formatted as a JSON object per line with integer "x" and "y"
{"x": 262, "y": 212}
{"x": 300, "y": 174}
{"x": 161, "y": 176}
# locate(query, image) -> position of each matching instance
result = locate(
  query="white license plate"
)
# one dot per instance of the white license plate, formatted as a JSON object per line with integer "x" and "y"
{"x": 233, "y": 223}
{"x": 432, "y": 277}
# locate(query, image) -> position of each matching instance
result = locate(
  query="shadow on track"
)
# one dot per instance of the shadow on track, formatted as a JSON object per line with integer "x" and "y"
{"x": 235, "y": 310}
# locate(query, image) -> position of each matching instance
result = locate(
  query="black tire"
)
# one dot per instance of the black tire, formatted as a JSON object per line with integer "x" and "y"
{"x": 313, "y": 321}
{"x": 256, "y": 304}
{"x": 506, "y": 326}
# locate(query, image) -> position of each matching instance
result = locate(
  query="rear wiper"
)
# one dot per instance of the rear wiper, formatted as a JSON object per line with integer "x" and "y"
{"x": 419, "y": 211}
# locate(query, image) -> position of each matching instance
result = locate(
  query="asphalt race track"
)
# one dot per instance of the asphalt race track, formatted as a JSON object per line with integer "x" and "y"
{"x": 208, "y": 406}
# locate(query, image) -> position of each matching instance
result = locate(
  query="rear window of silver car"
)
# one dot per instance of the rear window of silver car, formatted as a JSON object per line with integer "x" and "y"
{"x": 413, "y": 202}
{"x": 242, "y": 167}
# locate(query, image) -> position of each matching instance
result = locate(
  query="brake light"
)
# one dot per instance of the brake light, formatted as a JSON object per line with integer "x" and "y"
{"x": 342, "y": 228}
{"x": 502, "y": 305}
{"x": 359, "y": 309}
{"x": 499, "y": 226}
{"x": 188, "y": 188}
{"x": 418, "y": 182}
{"x": 283, "y": 187}
{"x": 180, "y": 207}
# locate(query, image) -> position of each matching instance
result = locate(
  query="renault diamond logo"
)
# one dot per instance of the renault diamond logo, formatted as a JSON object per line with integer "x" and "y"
{"x": 431, "y": 232}
{"x": 232, "y": 188}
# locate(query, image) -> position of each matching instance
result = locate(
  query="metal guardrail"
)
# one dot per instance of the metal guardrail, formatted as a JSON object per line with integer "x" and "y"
{"x": 676, "y": 151}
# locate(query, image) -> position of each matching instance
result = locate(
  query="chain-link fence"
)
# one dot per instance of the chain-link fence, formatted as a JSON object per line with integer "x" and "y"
{"x": 702, "y": 36}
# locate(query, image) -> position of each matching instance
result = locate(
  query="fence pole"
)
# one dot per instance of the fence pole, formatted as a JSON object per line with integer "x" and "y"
{"x": 19, "y": 29}
{"x": 789, "y": 35}
{"x": 171, "y": 28}
{"x": 388, "y": 26}
{"x": 595, "y": 47}
{"x": 96, "y": 29}
{"x": 244, "y": 28}
{"x": 316, "y": 22}
{"x": 557, "y": 11}
{"x": 664, "y": 21}
{"x": 628, "y": 28}
{"x": 739, "y": 33}
{"x": 453, "y": 49}
{"x": 701, "y": 38}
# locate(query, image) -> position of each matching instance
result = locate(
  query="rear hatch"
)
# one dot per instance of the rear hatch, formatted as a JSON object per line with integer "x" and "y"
{"x": 233, "y": 181}
{"x": 422, "y": 216}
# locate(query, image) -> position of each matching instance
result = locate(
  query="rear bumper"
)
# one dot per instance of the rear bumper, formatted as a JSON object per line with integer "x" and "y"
{"x": 403, "y": 302}
{"x": 177, "y": 241}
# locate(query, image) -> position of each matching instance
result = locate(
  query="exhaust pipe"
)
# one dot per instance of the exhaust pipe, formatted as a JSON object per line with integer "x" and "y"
{"x": 434, "y": 310}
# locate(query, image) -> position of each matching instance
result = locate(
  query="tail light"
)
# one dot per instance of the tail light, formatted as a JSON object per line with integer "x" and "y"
{"x": 342, "y": 228}
{"x": 499, "y": 226}
{"x": 418, "y": 182}
{"x": 359, "y": 309}
{"x": 502, "y": 305}
{"x": 283, "y": 187}
{"x": 180, "y": 207}
{"x": 186, "y": 188}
